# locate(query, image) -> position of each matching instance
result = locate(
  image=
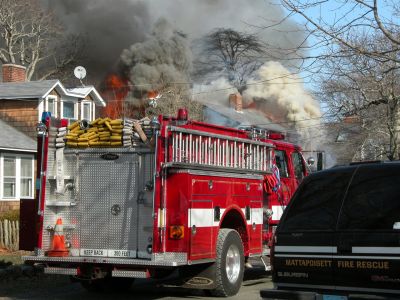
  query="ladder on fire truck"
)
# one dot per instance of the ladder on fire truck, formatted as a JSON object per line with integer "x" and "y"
{"x": 193, "y": 148}
{"x": 189, "y": 147}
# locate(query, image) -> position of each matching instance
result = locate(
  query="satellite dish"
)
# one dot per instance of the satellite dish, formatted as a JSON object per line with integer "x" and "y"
{"x": 80, "y": 72}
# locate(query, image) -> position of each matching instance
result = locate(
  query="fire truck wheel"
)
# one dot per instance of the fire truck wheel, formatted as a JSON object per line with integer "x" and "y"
{"x": 229, "y": 263}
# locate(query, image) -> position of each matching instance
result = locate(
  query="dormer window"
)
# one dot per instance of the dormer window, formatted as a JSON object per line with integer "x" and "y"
{"x": 86, "y": 110}
{"x": 68, "y": 110}
{"x": 51, "y": 105}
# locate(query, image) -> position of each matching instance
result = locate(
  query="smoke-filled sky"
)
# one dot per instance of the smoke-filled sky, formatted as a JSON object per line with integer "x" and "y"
{"x": 112, "y": 26}
{"x": 164, "y": 56}
{"x": 154, "y": 38}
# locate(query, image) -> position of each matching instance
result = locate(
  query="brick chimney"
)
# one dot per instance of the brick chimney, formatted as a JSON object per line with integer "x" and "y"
{"x": 13, "y": 73}
{"x": 235, "y": 101}
{"x": 351, "y": 119}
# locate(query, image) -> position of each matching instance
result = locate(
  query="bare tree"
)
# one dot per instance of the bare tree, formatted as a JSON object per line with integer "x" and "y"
{"x": 355, "y": 63}
{"x": 236, "y": 53}
{"x": 332, "y": 23}
{"x": 360, "y": 85}
{"x": 31, "y": 37}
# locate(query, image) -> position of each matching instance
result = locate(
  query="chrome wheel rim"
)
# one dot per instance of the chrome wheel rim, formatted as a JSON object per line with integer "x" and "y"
{"x": 232, "y": 265}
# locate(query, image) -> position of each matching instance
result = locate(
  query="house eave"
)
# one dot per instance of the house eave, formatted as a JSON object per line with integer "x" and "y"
{"x": 17, "y": 150}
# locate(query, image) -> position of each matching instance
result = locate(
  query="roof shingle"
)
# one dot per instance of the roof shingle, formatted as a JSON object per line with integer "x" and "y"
{"x": 26, "y": 90}
{"x": 13, "y": 139}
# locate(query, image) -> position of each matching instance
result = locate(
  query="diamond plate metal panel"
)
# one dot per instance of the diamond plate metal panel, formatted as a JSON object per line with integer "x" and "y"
{"x": 61, "y": 271}
{"x": 162, "y": 259}
{"x": 106, "y": 209}
{"x": 108, "y": 192}
{"x": 145, "y": 207}
{"x": 130, "y": 274}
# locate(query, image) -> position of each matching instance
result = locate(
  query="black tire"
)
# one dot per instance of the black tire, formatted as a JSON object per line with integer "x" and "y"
{"x": 228, "y": 280}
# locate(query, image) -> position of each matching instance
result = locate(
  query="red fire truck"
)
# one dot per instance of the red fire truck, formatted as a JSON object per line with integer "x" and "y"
{"x": 196, "y": 197}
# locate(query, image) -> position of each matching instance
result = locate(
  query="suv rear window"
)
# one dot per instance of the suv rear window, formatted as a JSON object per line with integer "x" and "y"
{"x": 315, "y": 206}
{"x": 373, "y": 199}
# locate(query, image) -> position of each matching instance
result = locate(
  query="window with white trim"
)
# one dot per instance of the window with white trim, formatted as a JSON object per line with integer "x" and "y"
{"x": 17, "y": 176}
{"x": 68, "y": 110}
{"x": 86, "y": 110}
{"x": 9, "y": 177}
{"x": 26, "y": 177}
{"x": 51, "y": 105}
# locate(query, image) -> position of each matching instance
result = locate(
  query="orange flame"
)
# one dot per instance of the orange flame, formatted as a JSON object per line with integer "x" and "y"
{"x": 152, "y": 94}
{"x": 115, "y": 90}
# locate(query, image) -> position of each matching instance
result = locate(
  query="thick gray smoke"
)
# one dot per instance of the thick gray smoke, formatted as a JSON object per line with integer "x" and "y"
{"x": 148, "y": 34}
{"x": 107, "y": 27}
{"x": 112, "y": 26}
{"x": 163, "y": 58}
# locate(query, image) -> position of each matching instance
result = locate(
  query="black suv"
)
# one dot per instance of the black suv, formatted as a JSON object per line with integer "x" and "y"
{"x": 340, "y": 235}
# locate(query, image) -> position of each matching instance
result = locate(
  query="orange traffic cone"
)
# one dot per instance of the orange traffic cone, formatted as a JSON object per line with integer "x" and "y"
{"x": 58, "y": 247}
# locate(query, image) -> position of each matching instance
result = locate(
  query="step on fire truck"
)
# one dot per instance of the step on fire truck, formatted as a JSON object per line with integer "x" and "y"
{"x": 167, "y": 194}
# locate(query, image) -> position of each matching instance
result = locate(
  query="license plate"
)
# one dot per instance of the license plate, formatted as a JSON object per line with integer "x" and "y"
{"x": 333, "y": 297}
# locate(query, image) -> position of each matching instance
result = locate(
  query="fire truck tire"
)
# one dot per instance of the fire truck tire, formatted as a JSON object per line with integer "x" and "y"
{"x": 229, "y": 263}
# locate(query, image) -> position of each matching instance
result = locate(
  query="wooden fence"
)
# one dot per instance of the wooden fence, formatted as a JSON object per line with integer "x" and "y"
{"x": 9, "y": 234}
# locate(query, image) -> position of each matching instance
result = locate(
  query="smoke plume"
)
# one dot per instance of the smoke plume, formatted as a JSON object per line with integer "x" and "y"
{"x": 277, "y": 88}
{"x": 163, "y": 58}
{"x": 106, "y": 27}
{"x": 282, "y": 95}
{"x": 112, "y": 26}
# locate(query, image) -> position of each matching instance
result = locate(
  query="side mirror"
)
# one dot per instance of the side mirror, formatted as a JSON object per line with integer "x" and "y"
{"x": 310, "y": 161}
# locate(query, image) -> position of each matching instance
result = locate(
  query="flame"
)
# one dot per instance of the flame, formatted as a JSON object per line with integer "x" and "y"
{"x": 152, "y": 94}
{"x": 115, "y": 91}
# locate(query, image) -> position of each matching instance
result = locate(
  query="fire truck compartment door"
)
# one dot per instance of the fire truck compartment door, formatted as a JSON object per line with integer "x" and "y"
{"x": 201, "y": 223}
{"x": 110, "y": 206}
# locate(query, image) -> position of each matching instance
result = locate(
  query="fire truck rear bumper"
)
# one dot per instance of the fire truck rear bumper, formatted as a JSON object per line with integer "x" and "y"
{"x": 172, "y": 259}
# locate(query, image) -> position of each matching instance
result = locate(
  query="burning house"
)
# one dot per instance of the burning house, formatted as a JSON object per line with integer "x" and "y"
{"x": 145, "y": 50}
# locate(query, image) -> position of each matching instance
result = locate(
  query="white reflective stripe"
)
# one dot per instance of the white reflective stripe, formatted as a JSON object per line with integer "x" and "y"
{"x": 256, "y": 216}
{"x": 302, "y": 255}
{"x": 277, "y": 211}
{"x": 338, "y": 256}
{"x": 376, "y": 250}
{"x": 202, "y": 217}
{"x": 58, "y": 229}
{"x": 304, "y": 249}
{"x": 60, "y": 171}
{"x": 161, "y": 218}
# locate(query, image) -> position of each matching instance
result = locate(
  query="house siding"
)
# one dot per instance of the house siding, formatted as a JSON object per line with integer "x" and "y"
{"x": 8, "y": 205}
{"x": 21, "y": 114}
